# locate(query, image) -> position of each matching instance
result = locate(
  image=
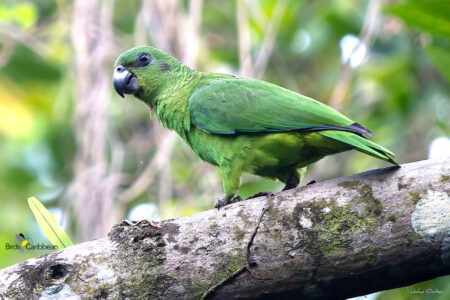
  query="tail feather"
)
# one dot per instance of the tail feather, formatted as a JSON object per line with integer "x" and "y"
{"x": 361, "y": 144}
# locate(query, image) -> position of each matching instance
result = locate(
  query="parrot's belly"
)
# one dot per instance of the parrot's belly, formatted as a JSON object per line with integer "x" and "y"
{"x": 257, "y": 153}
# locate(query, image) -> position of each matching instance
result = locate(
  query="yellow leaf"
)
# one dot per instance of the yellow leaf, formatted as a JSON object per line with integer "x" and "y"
{"x": 48, "y": 224}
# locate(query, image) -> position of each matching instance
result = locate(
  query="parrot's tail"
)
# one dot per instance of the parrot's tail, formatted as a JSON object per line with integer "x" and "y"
{"x": 361, "y": 144}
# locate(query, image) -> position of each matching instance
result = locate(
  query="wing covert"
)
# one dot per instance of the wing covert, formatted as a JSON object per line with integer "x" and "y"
{"x": 232, "y": 105}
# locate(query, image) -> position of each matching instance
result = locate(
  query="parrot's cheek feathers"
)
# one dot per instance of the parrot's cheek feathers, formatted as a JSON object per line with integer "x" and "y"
{"x": 125, "y": 82}
{"x": 132, "y": 86}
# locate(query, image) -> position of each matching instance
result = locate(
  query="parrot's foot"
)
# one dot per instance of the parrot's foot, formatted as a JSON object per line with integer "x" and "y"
{"x": 291, "y": 183}
{"x": 260, "y": 194}
{"x": 226, "y": 200}
{"x": 128, "y": 223}
{"x": 311, "y": 182}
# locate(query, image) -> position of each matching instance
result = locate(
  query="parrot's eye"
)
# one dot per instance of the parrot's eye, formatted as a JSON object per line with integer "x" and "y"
{"x": 143, "y": 60}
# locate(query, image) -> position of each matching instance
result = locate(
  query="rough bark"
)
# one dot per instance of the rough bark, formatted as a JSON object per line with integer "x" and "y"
{"x": 340, "y": 238}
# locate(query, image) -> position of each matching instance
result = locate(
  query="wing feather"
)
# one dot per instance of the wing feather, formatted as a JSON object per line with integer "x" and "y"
{"x": 229, "y": 106}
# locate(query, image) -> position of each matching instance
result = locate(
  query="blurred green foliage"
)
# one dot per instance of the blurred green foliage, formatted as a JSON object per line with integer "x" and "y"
{"x": 400, "y": 91}
{"x": 23, "y": 14}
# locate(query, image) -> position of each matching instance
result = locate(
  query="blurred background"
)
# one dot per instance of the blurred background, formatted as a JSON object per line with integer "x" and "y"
{"x": 93, "y": 158}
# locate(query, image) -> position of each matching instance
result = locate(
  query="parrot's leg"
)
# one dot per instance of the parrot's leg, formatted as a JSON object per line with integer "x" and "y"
{"x": 231, "y": 179}
{"x": 291, "y": 177}
{"x": 291, "y": 183}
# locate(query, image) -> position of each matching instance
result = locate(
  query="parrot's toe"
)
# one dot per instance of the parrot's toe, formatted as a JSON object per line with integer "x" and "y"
{"x": 219, "y": 202}
{"x": 226, "y": 200}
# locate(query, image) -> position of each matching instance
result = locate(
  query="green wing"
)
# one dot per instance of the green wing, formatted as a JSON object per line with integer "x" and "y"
{"x": 233, "y": 105}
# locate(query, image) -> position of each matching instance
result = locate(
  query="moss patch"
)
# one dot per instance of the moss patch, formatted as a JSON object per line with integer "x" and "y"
{"x": 238, "y": 233}
{"x": 245, "y": 217}
{"x": 330, "y": 231}
{"x": 145, "y": 287}
{"x": 349, "y": 184}
{"x": 445, "y": 178}
{"x": 213, "y": 230}
{"x": 286, "y": 221}
{"x": 334, "y": 226}
{"x": 412, "y": 238}
{"x": 373, "y": 205}
{"x": 373, "y": 254}
{"x": 414, "y": 196}
{"x": 141, "y": 250}
{"x": 401, "y": 184}
{"x": 233, "y": 263}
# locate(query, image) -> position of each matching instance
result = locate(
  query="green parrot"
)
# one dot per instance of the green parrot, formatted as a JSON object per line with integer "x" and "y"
{"x": 240, "y": 124}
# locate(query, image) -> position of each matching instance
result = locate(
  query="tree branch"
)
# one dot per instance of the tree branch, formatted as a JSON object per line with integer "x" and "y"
{"x": 341, "y": 238}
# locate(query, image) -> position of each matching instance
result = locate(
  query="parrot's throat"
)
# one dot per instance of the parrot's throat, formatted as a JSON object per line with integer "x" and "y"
{"x": 166, "y": 85}
{"x": 171, "y": 104}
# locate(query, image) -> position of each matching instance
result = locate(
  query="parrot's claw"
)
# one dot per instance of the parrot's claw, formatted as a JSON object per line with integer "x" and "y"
{"x": 128, "y": 223}
{"x": 226, "y": 200}
{"x": 311, "y": 182}
{"x": 220, "y": 202}
{"x": 260, "y": 194}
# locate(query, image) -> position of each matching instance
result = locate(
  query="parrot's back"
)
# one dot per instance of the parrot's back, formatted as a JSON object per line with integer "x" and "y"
{"x": 236, "y": 107}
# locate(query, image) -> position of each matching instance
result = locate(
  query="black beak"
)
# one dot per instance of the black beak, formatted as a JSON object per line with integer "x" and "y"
{"x": 124, "y": 81}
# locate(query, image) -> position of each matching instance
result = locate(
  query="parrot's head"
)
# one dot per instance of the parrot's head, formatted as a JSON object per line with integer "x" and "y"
{"x": 143, "y": 72}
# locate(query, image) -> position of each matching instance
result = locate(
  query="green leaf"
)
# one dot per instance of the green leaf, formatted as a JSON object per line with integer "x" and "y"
{"x": 48, "y": 224}
{"x": 428, "y": 15}
{"x": 441, "y": 60}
